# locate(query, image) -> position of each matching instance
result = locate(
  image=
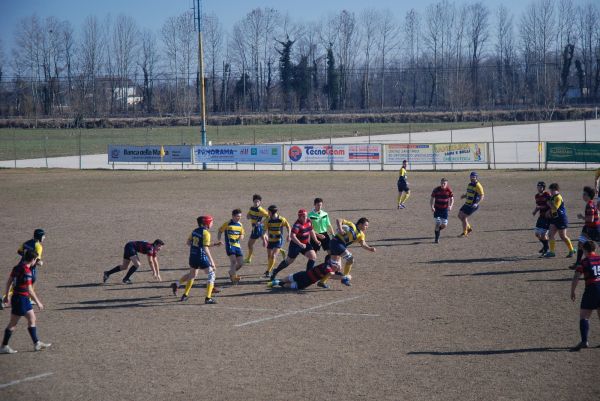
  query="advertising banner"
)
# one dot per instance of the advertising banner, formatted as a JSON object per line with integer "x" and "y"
{"x": 238, "y": 154}
{"x": 149, "y": 154}
{"x": 573, "y": 152}
{"x": 343, "y": 154}
{"x": 435, "y": 153}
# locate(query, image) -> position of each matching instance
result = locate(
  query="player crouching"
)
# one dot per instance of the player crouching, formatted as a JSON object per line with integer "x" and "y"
{"x": 304, "y": 279}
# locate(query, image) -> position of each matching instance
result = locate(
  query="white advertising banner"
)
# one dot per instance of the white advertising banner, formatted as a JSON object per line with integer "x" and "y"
{"x": 435, "y": 153}
{"x": 343, "y": 154}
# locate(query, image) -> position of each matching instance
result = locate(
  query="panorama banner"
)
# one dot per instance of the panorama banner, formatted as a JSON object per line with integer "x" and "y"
{"x": 238, "y": 154}
{"x": 435, "y": 153}
{"x": 343, "y": 154}
{"x": 149, "y": 154}
{"x": 573, "y": 152}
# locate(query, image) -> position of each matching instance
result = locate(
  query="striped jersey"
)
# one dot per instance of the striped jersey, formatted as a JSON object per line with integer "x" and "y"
{"x": 22, "y": 278}
{"x": 474, "y": 193}
{"x": 350, "y": 233}
{"x": 541, "y": 201}
{"x": 233, "y": 232}
{"x": 256, "y": 214}
{"x": 274, "y": 228}
{"x": 590, "y": 267}
{"x": 591, "y": 213}
{"x": 557, "y": 205}
{"x": 302, "y": 231}
{"x": 199, "y": 239}
{"x": 442, "y": 197}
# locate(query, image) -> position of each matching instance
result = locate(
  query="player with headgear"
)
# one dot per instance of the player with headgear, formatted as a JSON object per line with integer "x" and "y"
{"x": 274, "y": 227}
{"x": 300, "y": 243}
{"x": 200, "y": 259}
{"x": 474, "y": 196}
{"x": 130, "y": 257}
{"x": 543, "y": 223}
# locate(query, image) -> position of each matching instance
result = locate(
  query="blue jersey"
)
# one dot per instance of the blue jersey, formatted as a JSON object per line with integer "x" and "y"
{"x": 199, "y": 240}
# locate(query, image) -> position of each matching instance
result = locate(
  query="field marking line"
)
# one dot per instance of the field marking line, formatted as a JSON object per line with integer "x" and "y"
{"x": 264, "y": 319}
{"x": 278, "y": 310}
{"x": 12, "y": 383}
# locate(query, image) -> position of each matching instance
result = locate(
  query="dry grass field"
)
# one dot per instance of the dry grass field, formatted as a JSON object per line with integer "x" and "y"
{"x": 478, "y": 318}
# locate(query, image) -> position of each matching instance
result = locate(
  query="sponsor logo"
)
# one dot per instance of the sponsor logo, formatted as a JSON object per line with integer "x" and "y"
{"x": 327, "y": 150}
{"x": 561, "y": 151}
{"x": 115, "y": 153}
{"x": 295, "y": 153}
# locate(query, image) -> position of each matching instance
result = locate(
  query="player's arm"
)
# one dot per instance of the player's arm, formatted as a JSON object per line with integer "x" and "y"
{"x": 479, "y": 190}
{"x": 286, "y": 224}
{"x": 189, "y": 241}
{"x": 432, "y": 202}
{"x": 574, "y": 282}
{"x": 21, "y": 250}
{"x": 296, "y": 240}
{"x": 338, "y": 225}
{"x": 451, "y": 202}
{"x": 39, "y": 250}
{"x": 7, "y": 287}
{"x": 363, "y": 244}
{"x": 220, "y": 233}
{"x": 313, "y": 236}
{"x": 34, "y": 296}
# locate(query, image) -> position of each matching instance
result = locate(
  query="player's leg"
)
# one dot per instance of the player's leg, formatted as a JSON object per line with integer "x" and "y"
{"x": 251, "y": 242}
{"x": 404, "y": 197}
{"x": 135, "y": 264}
{"x": 551, "y": 242}
{"x": 462, "y": 216}
{"x": 189, "y": 283}
{"x": 293, "y": 252}
{"x": 32, "y": 329}
{"x": 124, "y": 265}
{"x": 210, "y": 285}
{"x": 233, "y": 268}
{"x": 271, "y": 255}
{"x": 312, "y": 258}
{"x": 563, "y": 235}
{"x": 8, "y": 331}
{"x": 584, "y": 328}
{"x": 583, "y": 238}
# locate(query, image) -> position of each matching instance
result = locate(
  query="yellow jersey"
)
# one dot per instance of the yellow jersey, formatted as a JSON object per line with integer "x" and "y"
{"x": 350, "y": 233}
{"x": 474, "y": 193}
{"x": 274, "y": 228}
{"x": 256, "y": 214}
{"x": 233, "y": 232}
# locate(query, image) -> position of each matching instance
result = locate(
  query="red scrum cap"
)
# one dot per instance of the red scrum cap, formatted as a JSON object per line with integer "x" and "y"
{"x": 302, "y": 212}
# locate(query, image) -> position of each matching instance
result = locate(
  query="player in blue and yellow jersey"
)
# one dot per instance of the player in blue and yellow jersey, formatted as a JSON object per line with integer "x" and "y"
{"x": 558, "y": 221}
{"x": 590, "y": 268}
{"x": 256, "y": 214}
{"x": 233, "y": 232}
{"x": 403, "y": 190}
{"x": 200, "y": 259}
{"x": 274, "y": 235}
{"x": 347, "y": 233}
{"x": 591, "y": 227}
{"x": 21, "y": 277}
{"x": 543, "y": 222}
{"x": 130, "y": 256}
{"x": 474, "y": 196}
{"x": 34, "y": 244}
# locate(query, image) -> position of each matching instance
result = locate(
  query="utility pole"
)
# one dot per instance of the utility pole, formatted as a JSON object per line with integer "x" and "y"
{"x": 198, "y": 20}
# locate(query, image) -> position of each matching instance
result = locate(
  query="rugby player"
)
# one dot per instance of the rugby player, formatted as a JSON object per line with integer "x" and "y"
{"x": 590, "y": 269}
{"x": 591, "y": 227}
{"x": 304, "y": 279}
{"x": 255, "y": 215}
{"x": 130, "y": 256}
{"x": 321, "y": 224}
{"x": 441, "y": 202}
{"x": 274, "y": 232}
{"x": 543, "y": 223}
{"x": 233, "y": 232}
{"x": 558, "y": 221}
{"x": 474, "y": 196}
{"x": 403, "y": 190}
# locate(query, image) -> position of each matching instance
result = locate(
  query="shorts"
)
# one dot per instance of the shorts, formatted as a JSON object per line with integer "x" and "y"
{"x": 324, "y": 243}
{"x": 294, "y": 250}
{"x": 275, "y": 245}
{"x": 301, "y": 279}
{"x": 561, "y": 222}
{"x": 542, "y": 223}
{"x": 468, "y": 209}
{"x": 20, "y": 305}
{"x": 257, "y": 231}
{"x": 234, "y": 250}
{"x": 129, "y": 251}
{"x": 591, "y": 297}
{"x": 197, "y": 262}
{"x": 337, "y": 247}
{"x": 440, "y": 216}
{"x": 588, "y": 233}
{"x": 403, "y": 186}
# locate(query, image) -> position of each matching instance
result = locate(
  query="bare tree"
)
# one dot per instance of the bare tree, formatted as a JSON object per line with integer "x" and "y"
{"x": 347, "y": 40}
{"x": 477, "y": 30}
{"x": 92, "y": 54}
{"x": 213, "y": 42}
{"x": 589, "y": 26}
{"x": 388, "y": 40}
{"x": 124, "y": 47}
{"x": 433, "y": 39}
{"x": 27, "y": 56}
{"x": 412, "y": 33}
{"x": 187, "y": 42}
{"x": 147, "y": 63}
{"x": 369, "y": 22}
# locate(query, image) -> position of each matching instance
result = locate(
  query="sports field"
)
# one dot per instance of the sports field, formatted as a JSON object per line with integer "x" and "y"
{"x": 478, "y": 318}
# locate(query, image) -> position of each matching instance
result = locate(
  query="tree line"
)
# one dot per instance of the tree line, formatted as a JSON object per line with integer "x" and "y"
{"x": 448, "y": 56}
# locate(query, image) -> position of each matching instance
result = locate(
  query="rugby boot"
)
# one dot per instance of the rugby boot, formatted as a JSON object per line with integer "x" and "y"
{"x": 174, "y": 287}
{"x": 579, "y": 346}
{"x": 39, "y": 346}
{"x": 209, "y": 301}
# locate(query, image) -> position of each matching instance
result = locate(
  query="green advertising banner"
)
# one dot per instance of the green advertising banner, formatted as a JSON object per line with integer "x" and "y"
{"x": 573, "y": 152}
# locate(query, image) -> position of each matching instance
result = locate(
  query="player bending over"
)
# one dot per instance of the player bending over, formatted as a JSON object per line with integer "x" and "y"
{"x": 304, "y": 279}
{"x": 130, "y": 256}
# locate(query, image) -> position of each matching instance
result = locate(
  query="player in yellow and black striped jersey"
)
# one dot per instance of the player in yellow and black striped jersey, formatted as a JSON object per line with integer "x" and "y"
{"x": 403, "y": 189}
{"x": 474, "y": 196}
{"x": 233, "y": 233}
{"x": 256, "y": 214}
{"x": 274, "y": 235}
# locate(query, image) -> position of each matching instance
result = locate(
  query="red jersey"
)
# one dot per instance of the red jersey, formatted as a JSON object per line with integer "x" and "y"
{"x": 590, "y": 267}
{"x": 22, "y": 278}
{"x": 541, "y": 201}
{"x": 302, "y": 231}
{"x": 318, "y": 272}
{"x": 145, "y": 247}
{"x": 591, "y": 211}
{"x": 442, "y": 197}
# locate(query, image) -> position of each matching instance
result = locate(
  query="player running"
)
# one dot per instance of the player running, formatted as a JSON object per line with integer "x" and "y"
{"x": 234, "y": 233}
{"x": 304, "y": 279}
{"x": 590, "y": 268}
{"x": 255, "y": 215}
{"x": 591, "y": 227}
{"x": 274, "y": 232}
{"x": 321, "y": 224}
{"x": 130, "y": 256}
{"x": 403, "y": 190}
{"x": 543, "y": 223}
{"x": 301, "y": 234}
{"x": 558, "y": 221}
{"x": 200, "y": 259}
{"x": 442, "y": 200}
{"x": 474, "y": 196}
{"x": 347, "y": 234}
{"x": 22, "y": 279}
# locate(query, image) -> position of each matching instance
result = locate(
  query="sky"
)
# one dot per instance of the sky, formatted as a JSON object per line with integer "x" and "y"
{"x": 152, "y": 13}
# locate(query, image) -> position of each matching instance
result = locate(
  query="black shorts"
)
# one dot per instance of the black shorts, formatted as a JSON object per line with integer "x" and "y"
{"x": 197, "y": 262}
{"x": 294, "y": 250}
{"x": 129, "y": 251}
{"x": 468, "y": 209}
{"x": 560, "y": 221}
{"x": 403, "y": 186}
{"x": 591, "y": 297}
{"x": 591, "y": 233}
{"x": 20, "y": 305}
{"x": 302, "y": 280}
{"x": 542, "y": 223}
{"x": 324, "y": 243}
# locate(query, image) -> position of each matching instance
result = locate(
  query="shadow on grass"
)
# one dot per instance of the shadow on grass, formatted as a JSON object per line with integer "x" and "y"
{"x": 500, "y": 273}
{"x": 360, "y": 210}
{"x": 492, "y": 352}
{"x": 481, "y": 260}
{"x": 552, "y": 279}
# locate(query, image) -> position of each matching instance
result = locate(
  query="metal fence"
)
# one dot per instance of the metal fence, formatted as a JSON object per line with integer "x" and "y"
{"x": 507, "y": 147}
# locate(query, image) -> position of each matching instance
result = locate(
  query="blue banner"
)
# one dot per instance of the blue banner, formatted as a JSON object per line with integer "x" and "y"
{"x": 238, "y": 154}
{"x": 149, "y": 154}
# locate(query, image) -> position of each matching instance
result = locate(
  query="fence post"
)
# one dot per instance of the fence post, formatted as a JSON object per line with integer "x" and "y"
{"x": 79, "y": 148}
{"x": 494, "y": 145}
{"x": 331, "y": 155}
{"x": 585, "y": 141}
{"x": 46, "y": 149}
{"x": 451, "y": 142}
{"x": 540, "y": 150}
{"x": 15, "y": 146}
{"x": 282, "y": 157}
{"x": 487, "y": 151}
{"x": 382, "y": 149}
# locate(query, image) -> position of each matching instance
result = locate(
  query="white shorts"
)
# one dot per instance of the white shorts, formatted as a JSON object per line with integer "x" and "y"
{"x": 439, "y": 221}
{"x": 540, "y": 231}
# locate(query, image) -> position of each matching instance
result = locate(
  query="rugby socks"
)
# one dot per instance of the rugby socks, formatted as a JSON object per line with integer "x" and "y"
{"x": 347, "y": 268}
{"x": 400, "y": 198}
{"x": 544, "y": 244}
{"x": 209, "y": 290}
{"x": 113, "y": 270}
{"x": 310, "y": 264}
{"x": 188, "y": 287}
{"x": 7, "y": 334}
{"x": 569, "y": 244}
{"x": 279, "y": 268}
{"x": 130, "y": 272}
{"x": 552, "y": 245}
{"x": 33, "y": 333}
{"x": 405, "y": 197}
{"x": 270, "y": 263}
{"x": 437, "y": 235}
{"x": 579, "y": 253}
{"x": 584, "y": 328}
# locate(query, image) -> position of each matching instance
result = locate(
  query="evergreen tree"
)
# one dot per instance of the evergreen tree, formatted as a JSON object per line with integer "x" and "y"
{"x": 332, "y": 88}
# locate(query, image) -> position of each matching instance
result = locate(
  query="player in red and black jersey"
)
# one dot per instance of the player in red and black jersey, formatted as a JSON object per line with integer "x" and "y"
{"x": 542, "y": 197}
{"x": 300, "y": 243}
{"x": 591, "y": 227}
{"x": 21, "y": 278}
{"x": 442, "y": 200}
{"x": 590, "y": 268}
{"x": 130, "y": 256}
{"x": 304, "y": 279}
